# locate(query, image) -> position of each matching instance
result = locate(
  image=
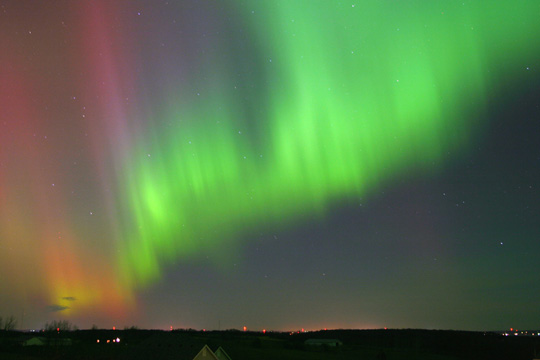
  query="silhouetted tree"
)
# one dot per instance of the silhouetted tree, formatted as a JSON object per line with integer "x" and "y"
{"x": 8, "y": 324}
{"x": 60, "y": 325}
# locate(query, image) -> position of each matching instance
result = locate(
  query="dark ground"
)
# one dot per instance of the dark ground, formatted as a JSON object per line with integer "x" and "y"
{"x": 185, "y": 344}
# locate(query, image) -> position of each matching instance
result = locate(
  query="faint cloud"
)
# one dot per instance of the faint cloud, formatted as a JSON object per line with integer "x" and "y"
{"x": 69, "y": 298}
{"x": 56, "y": 308}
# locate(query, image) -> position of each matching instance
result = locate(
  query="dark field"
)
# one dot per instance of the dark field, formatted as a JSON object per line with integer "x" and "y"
{"x": 185, "y": 344}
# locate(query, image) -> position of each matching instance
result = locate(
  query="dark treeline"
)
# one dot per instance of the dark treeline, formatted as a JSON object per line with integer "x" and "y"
{"x": 185, "y": 344}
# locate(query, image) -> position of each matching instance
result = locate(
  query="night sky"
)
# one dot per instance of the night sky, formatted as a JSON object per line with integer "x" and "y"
{"x": 278, "y": 164}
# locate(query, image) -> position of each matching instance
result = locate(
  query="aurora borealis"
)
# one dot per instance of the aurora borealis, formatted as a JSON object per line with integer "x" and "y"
{"x": 278, "y": 164}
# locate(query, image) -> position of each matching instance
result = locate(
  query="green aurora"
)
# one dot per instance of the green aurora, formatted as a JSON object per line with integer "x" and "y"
{"x": 338, "y": 100}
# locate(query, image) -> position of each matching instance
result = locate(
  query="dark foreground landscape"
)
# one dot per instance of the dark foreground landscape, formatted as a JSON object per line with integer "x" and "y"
{"x": 321, "y": 345}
